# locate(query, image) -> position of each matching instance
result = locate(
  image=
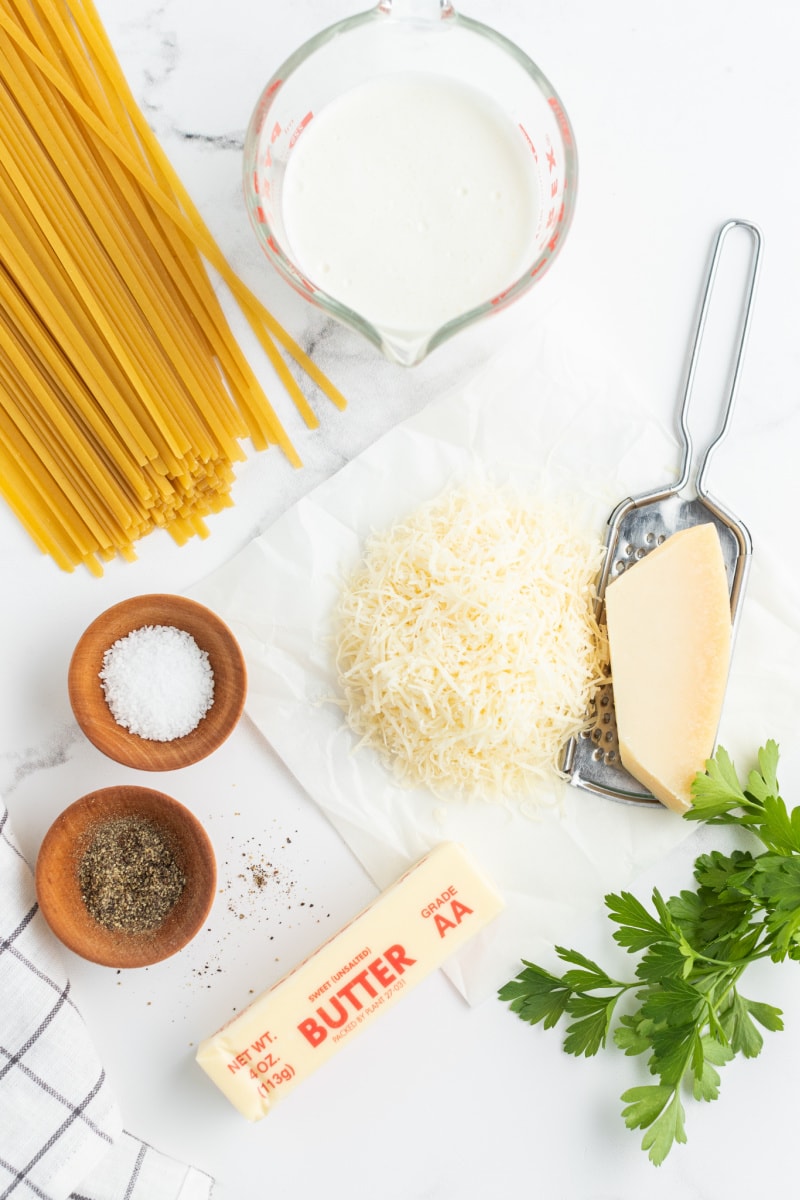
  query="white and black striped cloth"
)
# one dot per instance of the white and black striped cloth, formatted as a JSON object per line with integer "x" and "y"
{"x": 61, "y": 1132}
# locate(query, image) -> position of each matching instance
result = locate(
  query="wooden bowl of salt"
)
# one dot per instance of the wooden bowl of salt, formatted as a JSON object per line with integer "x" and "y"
{"x": 157, "y": 682}
{"x": 125, "y": 876}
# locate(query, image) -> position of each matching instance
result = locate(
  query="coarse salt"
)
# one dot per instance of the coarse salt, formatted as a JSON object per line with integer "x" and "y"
{"x": 157, "y": 682}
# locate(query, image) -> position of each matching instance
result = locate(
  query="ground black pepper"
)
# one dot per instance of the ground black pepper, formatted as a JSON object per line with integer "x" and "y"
{"x": 128, "y": 875}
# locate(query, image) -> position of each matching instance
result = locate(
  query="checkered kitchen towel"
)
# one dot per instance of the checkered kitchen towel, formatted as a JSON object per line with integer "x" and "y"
{"x": 60, "y": 1129}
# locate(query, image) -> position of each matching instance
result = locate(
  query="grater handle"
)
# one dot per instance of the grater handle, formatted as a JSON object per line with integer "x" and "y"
{"x": 686, "y": 437}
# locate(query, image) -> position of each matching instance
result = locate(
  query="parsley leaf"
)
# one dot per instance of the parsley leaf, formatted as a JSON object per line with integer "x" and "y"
{"x": 637, "y": 928}
{"x": 660, "y": 1112}
{"x": 536, "y": 995}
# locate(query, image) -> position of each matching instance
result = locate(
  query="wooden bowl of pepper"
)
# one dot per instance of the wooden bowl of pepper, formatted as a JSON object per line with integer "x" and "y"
{"x": 125, "y": 876}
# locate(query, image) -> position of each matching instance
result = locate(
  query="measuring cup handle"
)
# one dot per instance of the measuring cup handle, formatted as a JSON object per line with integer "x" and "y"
{"x": 686, "y": 437}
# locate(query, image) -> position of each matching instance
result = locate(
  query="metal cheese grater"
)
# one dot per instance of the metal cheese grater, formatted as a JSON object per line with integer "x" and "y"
{"x": 639, "y": 524}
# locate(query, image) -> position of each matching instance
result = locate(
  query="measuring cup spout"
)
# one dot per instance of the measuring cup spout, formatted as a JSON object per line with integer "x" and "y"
{"x": 405, "y": 350}
{"x": 417, "y": 9}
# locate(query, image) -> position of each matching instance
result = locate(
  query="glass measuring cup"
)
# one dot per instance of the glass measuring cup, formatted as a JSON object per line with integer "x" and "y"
{"x": 419, "y": 36}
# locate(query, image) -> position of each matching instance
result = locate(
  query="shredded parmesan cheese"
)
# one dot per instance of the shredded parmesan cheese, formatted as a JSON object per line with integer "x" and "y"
{"x": 467, "y": 646}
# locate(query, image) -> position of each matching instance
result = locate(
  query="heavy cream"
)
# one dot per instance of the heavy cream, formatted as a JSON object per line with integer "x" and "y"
{"x": 411, "y": 199}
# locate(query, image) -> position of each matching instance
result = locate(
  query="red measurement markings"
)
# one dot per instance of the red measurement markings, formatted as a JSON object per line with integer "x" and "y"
{"x": 500, "y": 297}
{"x": 263, "y": 103}
{"x": 563, "y": 123}
{"x": 528, "y": 139}
{"x": 261, "y": 186}
{"x": 300, "y": 128}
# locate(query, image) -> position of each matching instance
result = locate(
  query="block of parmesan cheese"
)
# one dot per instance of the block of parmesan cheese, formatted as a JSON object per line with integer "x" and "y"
{"x": 669, "y": 634}
{"x": 261, "y": 1055}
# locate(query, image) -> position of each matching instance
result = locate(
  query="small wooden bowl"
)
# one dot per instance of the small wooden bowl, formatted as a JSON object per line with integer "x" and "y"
{"x": 88, "y": 699}
{"x": 58, "y": 888}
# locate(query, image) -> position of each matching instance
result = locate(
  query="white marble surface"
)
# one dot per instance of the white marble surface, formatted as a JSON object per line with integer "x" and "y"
{"x": 685, "y": 115}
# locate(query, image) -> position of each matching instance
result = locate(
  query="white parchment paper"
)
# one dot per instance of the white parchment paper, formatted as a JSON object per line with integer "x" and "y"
{"x": 540, "y": 415}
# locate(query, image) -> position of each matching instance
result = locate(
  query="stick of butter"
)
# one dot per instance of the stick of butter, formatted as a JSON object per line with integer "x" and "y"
{"x": 291, "y": 1029}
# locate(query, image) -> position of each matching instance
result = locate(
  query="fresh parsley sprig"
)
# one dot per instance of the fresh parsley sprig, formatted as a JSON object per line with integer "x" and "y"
{"x": 690, "y": 1017}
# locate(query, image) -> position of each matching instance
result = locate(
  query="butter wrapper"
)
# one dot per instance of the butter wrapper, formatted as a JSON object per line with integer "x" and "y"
{"x": 260, "y": 1056}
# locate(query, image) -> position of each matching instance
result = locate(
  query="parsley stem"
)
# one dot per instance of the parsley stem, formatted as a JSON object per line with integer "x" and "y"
{"x": 739, "y": 964}
{"x": 608, "y": 985}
